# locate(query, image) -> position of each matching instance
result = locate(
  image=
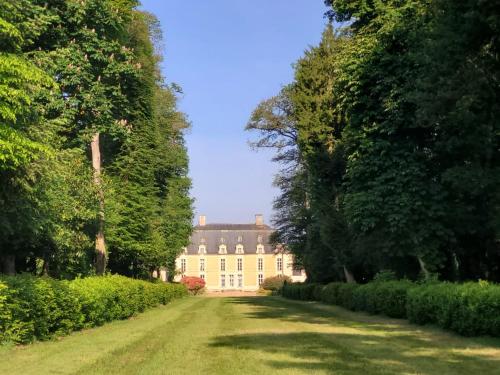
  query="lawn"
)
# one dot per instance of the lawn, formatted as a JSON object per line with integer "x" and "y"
{"x": 256, "y": 335}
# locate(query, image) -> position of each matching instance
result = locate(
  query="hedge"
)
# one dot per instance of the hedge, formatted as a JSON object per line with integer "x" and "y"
{"x": 275, "y": 283}
{"x": 470, "y": 309}
{"x": 40, "y": 307}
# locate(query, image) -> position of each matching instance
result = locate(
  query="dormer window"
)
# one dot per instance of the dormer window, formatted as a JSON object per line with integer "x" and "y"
{"x": 239, "y": 249}
{"x": 259, "y": 238}
{"x": 222, "y": 249}
{"x": 202, "y": 240}
{"x": 240, "y": 239}
{"x": 202, "y": 249}
{"x": 222, "y": 240}
{"x": 260, "y": 249}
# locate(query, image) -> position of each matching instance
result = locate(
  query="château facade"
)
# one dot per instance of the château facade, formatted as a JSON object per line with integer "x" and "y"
{"x": 234, "y": 256}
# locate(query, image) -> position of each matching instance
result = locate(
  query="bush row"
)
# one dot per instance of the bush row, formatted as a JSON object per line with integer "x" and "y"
{"x": 40, "y": 307}
{"x": 470, "y": 309}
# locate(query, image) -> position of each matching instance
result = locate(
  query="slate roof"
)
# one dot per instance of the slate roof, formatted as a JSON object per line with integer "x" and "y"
{"x": 213, "y": 235}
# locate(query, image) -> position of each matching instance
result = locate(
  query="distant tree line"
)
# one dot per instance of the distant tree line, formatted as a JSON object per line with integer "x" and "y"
{"x": 389, "y": 142}
{"x": 93, "y": 164}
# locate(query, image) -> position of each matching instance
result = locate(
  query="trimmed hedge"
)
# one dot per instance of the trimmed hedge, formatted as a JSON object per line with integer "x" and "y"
{"x": 40, "y": 307}
{"x": 470, "y": 309}
{"x": 300, "y": 291}
{"x": 387, "y": 298}
{"x": 275, "y": 283}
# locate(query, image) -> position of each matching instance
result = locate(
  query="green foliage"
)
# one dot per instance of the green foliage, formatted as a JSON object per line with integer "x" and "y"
{"x": 383, "y": 297}
{"x": 40, "y": 308}
{"x": 299, "y": 291}
{"x": 470, "y": 309}
{"x": 394, "y": 117}
{"x": 70, "y": 70}
{"x": 385, "y": 275}
{"x": 275, "y": 283}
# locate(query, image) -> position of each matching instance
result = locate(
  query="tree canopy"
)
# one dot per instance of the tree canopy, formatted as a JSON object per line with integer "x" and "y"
{"x": 396, "y": 121}
{"x": 92, "y": 154}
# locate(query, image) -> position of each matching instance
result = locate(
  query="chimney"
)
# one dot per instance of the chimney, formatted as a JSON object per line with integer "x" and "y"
{"x": 202, "y": 220}
{"x": 259, "y": 219}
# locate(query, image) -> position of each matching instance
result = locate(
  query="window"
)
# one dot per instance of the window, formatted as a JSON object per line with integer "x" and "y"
{"x": 202, "y": 249}
{"x": 222, "y": 240}
{"x": 240, "y": 239}
{"x": 239, "y": 249}
{"x": 261, "y": 279}
{"x": 202, "y": 276}
{"x": 260, "y": 264}
{"x": 279, "y": 264}
{"x": 222, "y": 281}
{"x": 240, "y": 281}
{"x": 239, "y": 264}
{"x": 222, "y": 249}
{"x": 259, "y": 238}
{"x": 202, "y": 265}
{"x": 260, "y": 249}
{"x": 231, "y": 281}
{"x": 183, "y": 265}
{"x": 222, "y": 264}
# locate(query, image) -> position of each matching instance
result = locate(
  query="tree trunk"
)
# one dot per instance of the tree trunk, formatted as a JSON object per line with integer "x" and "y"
{"x": 348, "y": 276}
{"x": 45, "y": 267}
{"x": 424, "y": 270}
{"x": 100, "y": 245}
{"x": 8, "y": 264}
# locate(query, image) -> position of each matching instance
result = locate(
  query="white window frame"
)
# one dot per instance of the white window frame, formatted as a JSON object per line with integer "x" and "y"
{"x": 240, "y": 280}
{"x": 239, "y": 264}
{"x": 202, "y": 249}
{"x": 240, "y": 249}
{"x": 202, "y": 264}
{"x": 279, "y": 264}
{"x": 222, "y": 280}
{"x": 202, "y": 276}
{"x": 260, "y": 249}
{"x": 260, "y": 279}
{"x": 231, "y": 281}
{"x": 222, "y": 249}
{"x": 183, "y": 265}
{"x": 223, "y": 264}
{"x": 260, "y": 264}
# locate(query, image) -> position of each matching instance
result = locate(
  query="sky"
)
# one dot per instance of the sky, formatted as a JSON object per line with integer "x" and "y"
{"x": 229, "y": 55}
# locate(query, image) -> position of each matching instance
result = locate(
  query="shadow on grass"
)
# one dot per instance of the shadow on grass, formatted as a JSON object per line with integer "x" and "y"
{"x": 314, "y": 313}
{"x": 369, "y": 348}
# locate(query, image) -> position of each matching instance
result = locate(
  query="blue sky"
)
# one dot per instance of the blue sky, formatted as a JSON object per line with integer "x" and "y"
{"x": 228, "y": 55}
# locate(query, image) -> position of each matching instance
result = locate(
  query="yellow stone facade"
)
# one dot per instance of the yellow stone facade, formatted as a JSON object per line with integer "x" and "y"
{"x": 234, "y": 257}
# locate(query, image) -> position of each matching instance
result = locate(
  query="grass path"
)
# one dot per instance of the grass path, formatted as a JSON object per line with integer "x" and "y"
{"x": 255, "y": 335}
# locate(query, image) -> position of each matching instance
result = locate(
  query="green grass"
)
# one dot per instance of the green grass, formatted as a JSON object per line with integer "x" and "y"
{"x": 256, "y": 335}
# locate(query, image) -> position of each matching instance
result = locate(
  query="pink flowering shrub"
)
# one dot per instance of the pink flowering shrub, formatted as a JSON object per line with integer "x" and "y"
{"x": 195, "y": 285}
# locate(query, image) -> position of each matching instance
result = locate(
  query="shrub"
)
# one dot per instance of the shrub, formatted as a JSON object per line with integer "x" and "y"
{"x": 470, "y": 309}
{"x": 194, "y": 284}
{"x": 300, "y": 291}
{"x": 385, "y": 275}
{"x": 330, "y": 293}
{"x": 387, "y": 298}
{"x": 346, "y": 294}
{"x": 275, "y": 283}
{"x": 40, "y": 308}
